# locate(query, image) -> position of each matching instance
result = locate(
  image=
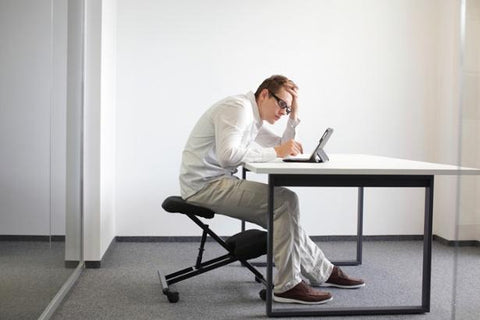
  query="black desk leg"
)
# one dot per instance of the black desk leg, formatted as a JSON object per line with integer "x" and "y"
{"x": 244, "y": 176}
{"x": 269, "y": 301}
{"x": 360, "y": 225}
{"x": 427, "y": 246}
{"x": 358, "y": 259}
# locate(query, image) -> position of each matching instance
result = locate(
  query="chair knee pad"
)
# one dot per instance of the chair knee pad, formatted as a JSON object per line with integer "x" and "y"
{"x": 248, "y": 244}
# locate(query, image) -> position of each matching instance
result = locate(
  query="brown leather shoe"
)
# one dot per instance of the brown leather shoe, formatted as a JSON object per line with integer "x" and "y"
{"x": 339, "y": 279}
{"x": 304, "y": 294}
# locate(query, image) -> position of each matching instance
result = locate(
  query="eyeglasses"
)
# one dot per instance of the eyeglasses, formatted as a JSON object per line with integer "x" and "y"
{"x": 282, "y": 104}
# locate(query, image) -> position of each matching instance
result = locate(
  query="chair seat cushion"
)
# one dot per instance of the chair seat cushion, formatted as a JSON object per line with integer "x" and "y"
{"x": 177, "y": 204}
{"x": 248, "y": 244}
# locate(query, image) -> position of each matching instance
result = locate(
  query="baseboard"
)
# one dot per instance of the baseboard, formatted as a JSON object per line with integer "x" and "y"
{"x": 93, "y": 264}
{"x": 71, "y": 264}
{"x": 406, "y": 237}
{"x": 164, "y": 239}
{"x": 314, "y": 238}
{"x": 456, "y": 243}
{"x": 32, "y": 238}
{"x": 97, "y": 264}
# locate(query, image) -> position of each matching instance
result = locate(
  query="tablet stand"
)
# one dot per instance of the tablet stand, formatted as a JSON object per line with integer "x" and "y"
{"x": 321, "y": 156}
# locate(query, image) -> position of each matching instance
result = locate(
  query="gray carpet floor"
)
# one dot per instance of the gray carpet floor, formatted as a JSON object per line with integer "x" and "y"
{"x": 127, "y": 286}
{"x": 31, "y": 273}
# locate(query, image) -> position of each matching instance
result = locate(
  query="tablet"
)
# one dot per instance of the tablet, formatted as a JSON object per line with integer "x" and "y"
{"x": 318, "y": 155}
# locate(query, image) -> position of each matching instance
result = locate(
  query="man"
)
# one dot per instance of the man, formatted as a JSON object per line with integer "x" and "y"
{"x": 231, "y": 133}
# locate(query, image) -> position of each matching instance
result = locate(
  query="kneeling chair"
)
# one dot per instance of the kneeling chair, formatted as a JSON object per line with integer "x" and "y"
{"x": 241, "y": 247}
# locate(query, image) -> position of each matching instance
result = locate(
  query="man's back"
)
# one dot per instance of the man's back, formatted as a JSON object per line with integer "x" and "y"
{"x": 201, "y": 161}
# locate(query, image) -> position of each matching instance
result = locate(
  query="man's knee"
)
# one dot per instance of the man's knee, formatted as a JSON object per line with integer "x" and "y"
{"x": 291, "y": 196}
{"x": 288, "y": 198}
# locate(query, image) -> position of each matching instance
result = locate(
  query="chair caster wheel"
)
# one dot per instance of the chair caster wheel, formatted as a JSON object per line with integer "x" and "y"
{"x": 172, "y": 296}
{"x": 263, "y": 294}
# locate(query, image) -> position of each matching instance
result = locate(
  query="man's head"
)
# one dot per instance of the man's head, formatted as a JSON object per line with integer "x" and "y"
{"x": 273, "y": 97}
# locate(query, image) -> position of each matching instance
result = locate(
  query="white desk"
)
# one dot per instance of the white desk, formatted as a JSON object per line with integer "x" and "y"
{"x": 354, "y": 170}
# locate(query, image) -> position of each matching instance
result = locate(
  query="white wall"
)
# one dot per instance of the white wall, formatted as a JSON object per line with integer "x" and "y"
{"x": 99, "y": 143}
{"x": 92, "y": 131}
{"x": 108, "y": 143}
{"x": 74, "y": 140}
{"x": 32, "y": 117}
{"x": 369, "y": 69}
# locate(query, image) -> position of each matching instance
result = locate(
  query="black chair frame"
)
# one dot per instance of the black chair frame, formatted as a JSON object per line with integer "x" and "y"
{"x": 202, "y": 267}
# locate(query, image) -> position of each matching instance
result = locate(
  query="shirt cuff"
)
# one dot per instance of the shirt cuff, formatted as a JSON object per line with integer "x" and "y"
{"x": 293, "y": 123}
{"x": 269, "y": 154}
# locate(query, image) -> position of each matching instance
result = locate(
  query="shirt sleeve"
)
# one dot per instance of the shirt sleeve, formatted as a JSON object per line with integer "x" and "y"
{"x": 267, "y": 138}
{"x": 233, "y": 141}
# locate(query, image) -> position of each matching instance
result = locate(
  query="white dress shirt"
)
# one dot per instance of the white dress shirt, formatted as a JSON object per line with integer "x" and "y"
{"x": 227, "y": 135}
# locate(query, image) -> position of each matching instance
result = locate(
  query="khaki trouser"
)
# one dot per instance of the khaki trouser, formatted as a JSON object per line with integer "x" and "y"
{"x": 294, "y": 253}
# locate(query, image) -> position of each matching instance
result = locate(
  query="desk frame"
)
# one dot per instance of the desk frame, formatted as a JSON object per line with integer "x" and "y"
{"x": 359, "y": 237}
{"x": 360, "y": 181}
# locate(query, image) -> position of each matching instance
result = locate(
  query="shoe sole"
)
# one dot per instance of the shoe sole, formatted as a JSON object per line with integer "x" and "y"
{"x": 326, "y": 285}
{"x": 288, "y": 300}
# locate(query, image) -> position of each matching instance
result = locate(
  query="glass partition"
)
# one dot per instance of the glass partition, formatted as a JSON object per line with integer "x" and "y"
{"x": 467, "y": 221}
{"x": 40, "y": 167}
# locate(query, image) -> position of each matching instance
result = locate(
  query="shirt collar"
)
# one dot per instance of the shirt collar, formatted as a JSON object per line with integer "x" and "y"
{"x": 256, "y": 113}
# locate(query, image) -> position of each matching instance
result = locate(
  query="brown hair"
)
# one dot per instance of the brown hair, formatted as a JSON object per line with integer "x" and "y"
{"x": 274, "y": 84}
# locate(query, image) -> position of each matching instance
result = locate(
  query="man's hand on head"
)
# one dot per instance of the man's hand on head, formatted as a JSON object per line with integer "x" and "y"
{"x": 289, "y": 148}
{"x": 294, "y": 107}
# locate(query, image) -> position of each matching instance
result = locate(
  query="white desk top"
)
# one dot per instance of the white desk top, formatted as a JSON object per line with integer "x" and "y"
{"x": 360, "y": 164}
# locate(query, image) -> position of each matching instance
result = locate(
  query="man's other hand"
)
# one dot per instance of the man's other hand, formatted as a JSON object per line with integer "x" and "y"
{"x": 289, "y": 148}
